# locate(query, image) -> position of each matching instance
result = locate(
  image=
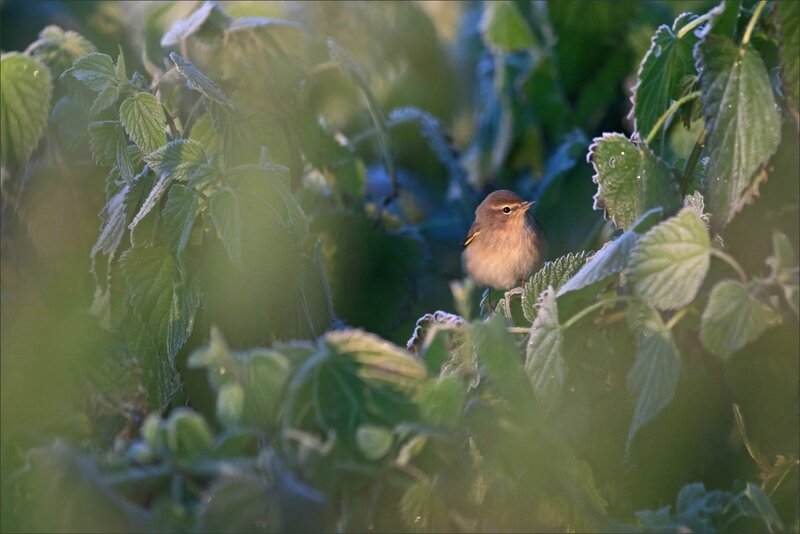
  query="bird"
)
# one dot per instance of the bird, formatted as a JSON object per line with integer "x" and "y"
{"x": 505, "y": 245}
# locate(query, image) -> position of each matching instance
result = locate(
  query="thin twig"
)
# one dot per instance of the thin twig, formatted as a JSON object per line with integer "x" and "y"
{"x": 730, "y": 261}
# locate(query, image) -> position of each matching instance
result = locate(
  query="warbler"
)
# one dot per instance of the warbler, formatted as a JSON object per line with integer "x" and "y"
{"x": 505, "y": 244}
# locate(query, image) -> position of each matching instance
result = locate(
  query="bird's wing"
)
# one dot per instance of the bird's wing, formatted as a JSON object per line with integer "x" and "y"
{"x": 473, "y": 233}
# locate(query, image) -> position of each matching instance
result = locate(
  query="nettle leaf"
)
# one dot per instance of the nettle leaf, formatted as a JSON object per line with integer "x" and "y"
{"x": 25, "y": 91}
{"x": 784, "y": 269}
{"x": 498, "y": 355}
{"x": 58, "y": 49}
{"x": 116, "y": 214}
{"x": 504, "y": 28}
{"x": 373, "y": 441}
{"x": 670, "y": 261}
{"x": 655, "y": 373}
{"x": 613, "y": 258}
{"x": 95, "y": 71}
{"x": 188, "y": 435}
{"x": 105, "y": 99}
{"x": 103, "y": 138}
{"x": 178, "y": 215}
{"x": 668, "y": 61}
{"x": 227, "y": 217}
{"x": 441, "y": 402}
{"x": 734, "y": 317}
{"x": 230, "y": 404}
{"x": 144, "y": 120}
{"x": 552, "y": 274}
{"x": 189, "y": 26}
{"x": 198, "y": 81}
{"x": 789, "y": 25}
{"x": 544, "y": 361}
{"x": 630, "y": 179}
{"x": 743, "y": 125}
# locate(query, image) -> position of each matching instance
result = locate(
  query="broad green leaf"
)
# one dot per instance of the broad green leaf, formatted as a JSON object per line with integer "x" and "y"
{"x": 227, "y": 217}
{"x": 25, "y": 91}
{"x": 612, "y": 258}
{"x": 552, "y": 274}
{"x": 105, "y": 99}
{"x": 103, "y": 138}
{"x": 441, "y": 402}
{"x": 784, "y": 269}
{"x": 498, "y": 355}
{"x": 544, "y": 360}
{"x": 116, "y": 213}
{"x": 178, "y": 215}
{"x": 504, "y": 28}
{"x": 661, "y": 75}
{"x": 185, "y": 28}
{"x": 144, "y": 120}
{"x": 733, "y": 318}
{"x": 654, "y": 376}
{"x": 670, "y": 261}
{"x": 230, "y": 404}
{"x": 743, "y": 125}
{"x": 198, "y": 81}
{"x": 266, "y": 373}
{"x": 373, "y": 441}
{"x": 188, "y": 435}
{"x": 724, "y": 19}
{"x": 764, "y": 507}
{"x": 788, "y": 14}
{"x": 630, "y": 180}
{"x": 58, "y": 49}
{"x": 95, "y": 71}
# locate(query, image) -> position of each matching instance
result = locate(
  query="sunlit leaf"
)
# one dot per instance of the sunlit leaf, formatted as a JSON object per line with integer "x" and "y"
{"x": 144, "y": 121}
{"x": 230, "y": 403}
{"x": 179, "y": 214}
{"x": 188, "y": 435}
{"x": 552, "y": 274}
{"x": 197, "y": 80}
{"x": 503, "y": 27}
{"x": 58, "y": 49}
{"x": 95, "y": 71}
{"x": 373, "y": 441}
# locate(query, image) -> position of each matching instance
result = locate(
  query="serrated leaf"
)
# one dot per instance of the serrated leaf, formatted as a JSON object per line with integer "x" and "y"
{"x": 188, "y": 435}
{"x": 630, "y": 180}
{"x": 119, "y": 68}
{"x": 116, "y": 213}
{"x": 230, "y": 404}
{"x": 227, "y": 217}
{"x": 143, "y": 119}
{"x": 544, "y": 361}
{"x": 373, "y": 441}
{"x": 654, "y": 376}
{"x": 504, "y": 28}
{"x": 441, "y": 402}
{"x": 789, "y": 26}
{"x": 58, "y": 49}
{"x": 733, "y": 318}
{"x": 198, "y": 81}
{"x": 612, "y": 258}
{"x": 105, "y": 99}
{"x": 660, "y": 82}
{"x": 552, "y": 274}
{"x": 184, "y": 28}
{"x": 670, "y": 261}
{"x": 178, "y": 215}
{"x": 95, "y": 71}
{"x": 25, "y": 91}
{"x": 743, "y": 125}
{"x": 103, "y": 138}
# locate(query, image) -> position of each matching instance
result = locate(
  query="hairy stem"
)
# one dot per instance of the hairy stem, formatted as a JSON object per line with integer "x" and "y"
{"x": 693, "y": 24}
{"x": 727, "y": 258}
{"x": 752, "y": 23}
{"x": 664, "y": 116}
{"x": 676, "y": 317}
{"x": 586, "y": 311}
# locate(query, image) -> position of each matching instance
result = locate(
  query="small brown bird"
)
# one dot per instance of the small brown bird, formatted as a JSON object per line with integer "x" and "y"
{"x": 505, "y": 244}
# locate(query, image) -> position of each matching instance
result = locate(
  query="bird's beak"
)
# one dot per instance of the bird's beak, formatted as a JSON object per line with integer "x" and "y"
{"x": 528, "y": 204}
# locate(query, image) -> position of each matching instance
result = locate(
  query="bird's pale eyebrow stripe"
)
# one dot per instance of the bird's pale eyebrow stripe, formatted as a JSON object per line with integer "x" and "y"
{"x": 471, "y": 238}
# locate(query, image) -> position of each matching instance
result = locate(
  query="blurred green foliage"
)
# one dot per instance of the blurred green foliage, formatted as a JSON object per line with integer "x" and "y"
{"x": 283, "y": 189}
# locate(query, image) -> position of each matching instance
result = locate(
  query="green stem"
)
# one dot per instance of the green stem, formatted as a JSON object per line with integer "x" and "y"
{"x": 676, "y": 317}
{"x": 664, "y": 116}
{"x": 694, "y": 157}
{"x": 752, "y": 24}
{"x": 730, "y": 261}
{"x": 693, "y": 24}
{"x": 586, "y": 311}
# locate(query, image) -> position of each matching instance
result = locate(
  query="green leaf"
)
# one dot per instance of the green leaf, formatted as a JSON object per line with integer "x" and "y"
{"x": 25, "y": 91}
{"x": 766, "y": 511}
{"x": 227, "y": 217}
{"x": 373, "y": 441}
{"x": 654, "y": 376}
{"x": 552, "y": 274}
{"x": 266, "y": 373}
{"x": 191, "y": 25}
{"x": 144, "y": 120}
{"x": 105, "y": 99}
{"x": 498, "y": 355}
{"x": 784, "y": 269}
{"x": 178, "y": 215}
{"x": 504, "y": 28}
{"x": 103, "y": 141}
{"x": 95, "y": 71}
{"x": 612, "y": 258}
{"x": 743, "y": 125}
{"x": 58, "y": 49}
{"x": 198, "y": 81}
{"x": 733, "y": 318}
{"x": 423, "y": 508}
{"x": 661, "y": 75}
{"x": 188, "y": 435}
{"x": 119, "y": 69}
{"x": 235, "y": 502}
{"x": 230, "y": 404}
{"x": 670, "y": 261}
{"x": 544, "y": 360}
{"x": 788, "y": 15}
{"x": 116, "y": 214}
{"x": 441, "y": 402}
{"x": 630, "y": 180}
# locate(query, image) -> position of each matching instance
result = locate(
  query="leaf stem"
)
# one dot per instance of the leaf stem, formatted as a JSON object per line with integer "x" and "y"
{"x": 752, "y": 23}
{"x": 676, "y": 317}
{"x": 586, "y": 311}
{"x": 694, "y": 157}
{"x": 727, "y": 258}
{"x": 664, "y": 116}
{"x": 693, "y": 24}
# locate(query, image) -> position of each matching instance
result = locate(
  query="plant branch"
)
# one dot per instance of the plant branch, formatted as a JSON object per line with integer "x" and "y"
{"x": 693, "y": 24}
{"x": 752, "y": 24}
{"x": 586, "y": 311}
{"x": 727, "y": 258}
{"x": 664, "y": 116}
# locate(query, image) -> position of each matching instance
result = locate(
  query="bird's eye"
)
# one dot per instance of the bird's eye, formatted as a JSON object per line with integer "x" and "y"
{"x": 506, "y": 210}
